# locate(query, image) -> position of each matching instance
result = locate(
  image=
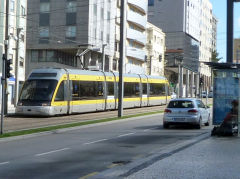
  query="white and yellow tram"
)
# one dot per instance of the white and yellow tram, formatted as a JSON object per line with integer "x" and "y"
{"x": 54, "y": 91}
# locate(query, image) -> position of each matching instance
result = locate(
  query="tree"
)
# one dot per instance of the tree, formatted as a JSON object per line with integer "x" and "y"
{"x": 215, "y": 57}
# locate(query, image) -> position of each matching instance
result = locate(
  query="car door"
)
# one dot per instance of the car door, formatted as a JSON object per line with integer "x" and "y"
{"x": 203, "y": 111}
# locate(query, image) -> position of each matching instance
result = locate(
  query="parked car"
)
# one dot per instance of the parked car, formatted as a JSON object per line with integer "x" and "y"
{"x": 210, "y": 94}
{"x": 204, "y": 94}
{"x": 186, "y": 111}
{"x": 173, "y": 95}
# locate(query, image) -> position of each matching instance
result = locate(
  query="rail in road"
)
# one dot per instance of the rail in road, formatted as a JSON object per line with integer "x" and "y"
{"x": 16, "y": 123}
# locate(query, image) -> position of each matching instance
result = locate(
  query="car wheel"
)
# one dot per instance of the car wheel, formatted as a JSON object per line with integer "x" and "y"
{"x": 199, "y": 125}
{"x": 165, "y": 125}
{"x": 208, "y": 122}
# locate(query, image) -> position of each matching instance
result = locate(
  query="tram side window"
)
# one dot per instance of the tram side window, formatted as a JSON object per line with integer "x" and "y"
{"x": 91, "y": 90}
{"x": 157, "y": 89}
{"x": 60, "y": 92}
{"x": 144, "y": 88}
{"x": 131, "y": 89}
{"x": 110, "y": 88}
{"x": 75, "y": 90}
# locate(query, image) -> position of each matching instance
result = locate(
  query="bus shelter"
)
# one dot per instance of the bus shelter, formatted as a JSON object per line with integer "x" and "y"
{"x": 226, "y": 90}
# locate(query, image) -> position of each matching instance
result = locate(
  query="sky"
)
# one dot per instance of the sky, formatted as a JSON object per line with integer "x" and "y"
{"x": 220, "y": 11}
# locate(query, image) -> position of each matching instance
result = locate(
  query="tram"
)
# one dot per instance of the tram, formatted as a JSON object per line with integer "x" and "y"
{"x": 56, "y": 91}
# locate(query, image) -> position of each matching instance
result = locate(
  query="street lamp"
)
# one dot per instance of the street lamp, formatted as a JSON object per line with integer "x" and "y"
{"x": 180, "y": 76}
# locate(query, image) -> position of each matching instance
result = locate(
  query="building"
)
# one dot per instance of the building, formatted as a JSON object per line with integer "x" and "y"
{"x": 187, "y": 31}
{"x": 70, "y": 34}
{"x": 135, "y": 39}
{"x": 155, "y": 50}
{"x": 236, "y": 51}
{"x": 214, "y": 32}
{"x": 16, "y": 42}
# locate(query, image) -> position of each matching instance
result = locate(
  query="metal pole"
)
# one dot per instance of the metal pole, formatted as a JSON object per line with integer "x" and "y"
{"x": 3, "y": 79}
{"x": 181, "y": 81}
{"x": 230, "y": 31}
{"x": 238, "y": 107}
{"x": 179, "y": 76}
{"x": 187, "y": 83}
{"x": 121, "y": 60}
{"x": 192, "y": 83}
{"x": 103, "y": 57}
{"x": 16, "y": 69}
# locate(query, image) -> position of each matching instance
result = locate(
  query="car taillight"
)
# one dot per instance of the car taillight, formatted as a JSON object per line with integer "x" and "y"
{"x": 192, "y": 111}
{"x": 167, "y": 111}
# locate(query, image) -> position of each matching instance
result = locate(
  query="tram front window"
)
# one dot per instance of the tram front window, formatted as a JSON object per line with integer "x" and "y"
{"x": 37, "y": 91}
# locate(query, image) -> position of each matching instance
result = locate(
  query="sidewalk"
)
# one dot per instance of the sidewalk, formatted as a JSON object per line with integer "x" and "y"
{"x": 213, "y": 158}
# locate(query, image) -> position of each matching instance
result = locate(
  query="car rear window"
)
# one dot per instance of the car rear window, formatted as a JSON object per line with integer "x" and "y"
{"x": 180, "y": 104}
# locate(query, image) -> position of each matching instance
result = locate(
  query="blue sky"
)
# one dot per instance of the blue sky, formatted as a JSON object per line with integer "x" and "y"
{"x": 220, "y": 10}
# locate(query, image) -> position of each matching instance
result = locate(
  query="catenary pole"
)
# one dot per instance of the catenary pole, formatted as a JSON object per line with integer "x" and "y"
{"x": 121, "y": 60}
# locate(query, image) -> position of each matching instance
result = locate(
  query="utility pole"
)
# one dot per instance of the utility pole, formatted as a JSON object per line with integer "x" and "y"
{"x": 103, "y": 56}
{"x": 16, "y": 69}
{"x": 4, "y": 59}
{"x": 230, "y": 30}
{"x": 122, "y": 58}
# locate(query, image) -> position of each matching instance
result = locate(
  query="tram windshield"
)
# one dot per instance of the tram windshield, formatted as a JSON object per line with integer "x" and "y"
{"x": 38, "y": 90}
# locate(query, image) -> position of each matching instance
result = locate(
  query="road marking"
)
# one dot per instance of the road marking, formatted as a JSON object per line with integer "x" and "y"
{"x": 126, "y": 134}
{"x": 150, "y": 129}
{"x": 4, "y": 163}
{"x": 54, "y": 151}
{"x": 113, "y": 165}
{"x": 89, "y": 175}
{"x": 94, "y": 141}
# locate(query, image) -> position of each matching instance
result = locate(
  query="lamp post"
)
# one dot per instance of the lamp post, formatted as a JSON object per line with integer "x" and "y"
{"x": 103, "y": 56}
{"x": 180, "y": 76}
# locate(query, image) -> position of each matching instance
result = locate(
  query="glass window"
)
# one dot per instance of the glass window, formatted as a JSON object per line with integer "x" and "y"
{"x": 41, "y": 55}
{"x": 50, "y": 56}
{"x": 44, "y": 32}
{"x": 95, "y": 9}
{"x": 131, "y": 89}
{"x": 151, "y": 2}
{"x": 23, "y": 11}
{"x": 110, "y": 88}
{"x": 181, "y": 104}
{"x": 157, "y": 89}
{"x": 34, "y": 56}
{"x": 44, "y": 7}
{"x": 60, "y": 92}
{"x": 38, "y": 90}
{"x": 75, "y": 90}
{"x": 144, "y": 88}
{"x": 12, "y": 6}
{"x": 71, "y": 31}
{"x": 44, "y": 19}
{"x": 71, "y": 6}
{"x": 71, "y": 19}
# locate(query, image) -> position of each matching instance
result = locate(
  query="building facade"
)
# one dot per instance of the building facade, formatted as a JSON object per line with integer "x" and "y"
{"x": 135, "y": 36}
{"x": 155, "y": 49}
{"x": 16, "y": 40}
{"x": 236, "y": 51}
{"x": 70, "y": 34}
{"x": 188, "y": 28}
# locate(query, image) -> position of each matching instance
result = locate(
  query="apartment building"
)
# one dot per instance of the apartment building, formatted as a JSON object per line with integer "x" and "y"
{"x": 71, "y": 34}
{"x": 16, "y": 41}
{"x": 155, "y": 49}
{"x": 236, "y": 51}
{"x": 135, "y": 39}
{"x": 188, "y": 28}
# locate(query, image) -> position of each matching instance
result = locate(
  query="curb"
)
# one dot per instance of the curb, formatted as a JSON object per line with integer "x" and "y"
{"x": 129, "y": 169}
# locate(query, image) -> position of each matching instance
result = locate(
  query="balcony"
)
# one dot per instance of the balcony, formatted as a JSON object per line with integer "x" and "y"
{"x": 137, "y": 19}
{"x": 140, "y": 5}
{"x": 136, "y": 36}
{"x": 138, "y": 54}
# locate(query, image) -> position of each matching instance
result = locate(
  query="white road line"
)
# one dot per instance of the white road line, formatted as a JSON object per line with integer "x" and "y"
{"x": 4, "y": 163}
{"x": 149, "y": 129}
{"x": 59, "y": 150}
{"x": 94, "y": 141}
{"x": 126, "y": 134}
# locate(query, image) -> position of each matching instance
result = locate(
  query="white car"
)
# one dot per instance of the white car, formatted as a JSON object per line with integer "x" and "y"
{"x": 186, "y": 111}
{"x": 173, "y": 95}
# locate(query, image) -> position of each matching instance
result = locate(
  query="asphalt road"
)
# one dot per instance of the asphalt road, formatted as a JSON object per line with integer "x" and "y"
{"x": 87, "y": 151}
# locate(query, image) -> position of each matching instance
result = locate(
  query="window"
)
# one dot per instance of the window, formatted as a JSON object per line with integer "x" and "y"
{"x": 131, "y": 89}
{"x": 44, "y": 32}
{"x": 44, "y": 19}
{"x": 71, "y": 18}
{"x": 60, "y": 92}
{"x": 95, "y": 9}
{"x": 157, "y": 89}
{"x": 12, "y": 6}
{"x": 34, "y": 56}
{"x": 102, "y": 13}
{"x": 200, "y": 104}
{"x": 87, "y": 90}
{"x": 71, "y": 6}
{"x": 180, "y": 104}
{"x": 21, "y": 62}
{"x": 108, "y": 38}
{"x": 150, "y": 2}
{"x": 41, "y": 55}
{"x": 44, "y": 7}
{"x": 144, "y": 88}
{"x": 110, "y": 88}
{"x": 71, "y": 31}
{"x": 23, "y": 11}
{"x": 50, "y": 56}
